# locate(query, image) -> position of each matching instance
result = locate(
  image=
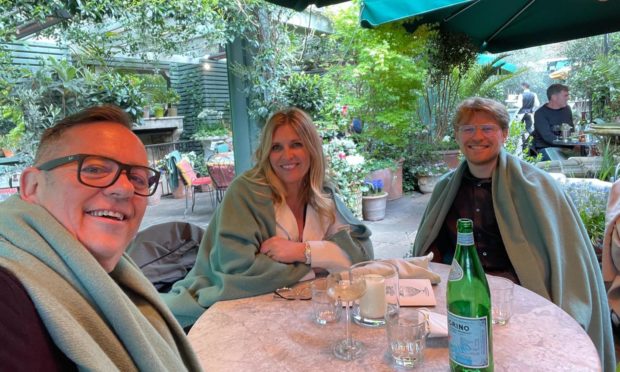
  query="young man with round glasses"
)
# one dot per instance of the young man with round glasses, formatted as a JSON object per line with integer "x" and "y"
{"x": 69, "y": 297}
{"x": 525, "y": 227}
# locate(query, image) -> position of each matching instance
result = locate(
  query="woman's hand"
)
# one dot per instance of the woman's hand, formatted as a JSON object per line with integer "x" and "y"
{"x": 282, "y": 250}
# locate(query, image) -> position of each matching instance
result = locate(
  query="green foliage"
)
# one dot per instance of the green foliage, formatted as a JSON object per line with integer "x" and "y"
{"x": 595, "y": 73}
{"x": 272, "y": 57}
{"x": 610, "y": 152}
{"x": 481, "y": 80}
{"x": 305, "y": 92}
{"x": 449, "y": 56}
{"x": 599, "y": 81}
{"x": 12, "y": 126}
{"x": 378, "y": 164}
{"x": 448, "y": 51}
{"x": 60, "y": 88}
{"x": 425, "y": 160}
{"x": 12, "y": 139}
{"x": 515, "y": 143}
{"x": 141, "y": 27}
{"x": 154, "y": 87}
{"x": 120, "y": 90}
{"x": 591, "y": 203}
{"x": 211, "y": 124}
{"x": 332, "y": 121}
{"x": 379, "y": 77}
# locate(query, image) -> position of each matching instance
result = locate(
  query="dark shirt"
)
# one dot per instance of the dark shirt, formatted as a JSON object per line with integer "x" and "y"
{"x": 528, "y": 103}
{"x": 26, "y": 344}
{"x": 474, "y": 200}
{"x": 545, "y": 119}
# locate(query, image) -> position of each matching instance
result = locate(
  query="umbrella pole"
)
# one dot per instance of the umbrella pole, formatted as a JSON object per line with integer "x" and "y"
{"x": 510, "y": 21}
{"x": 448, "y": 18}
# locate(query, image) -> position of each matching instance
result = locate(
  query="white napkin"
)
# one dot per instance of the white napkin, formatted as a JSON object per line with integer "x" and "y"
{"x": 438, "y": 323}
{"x": 415, "y": 268}
{"x": 408, "y": 268}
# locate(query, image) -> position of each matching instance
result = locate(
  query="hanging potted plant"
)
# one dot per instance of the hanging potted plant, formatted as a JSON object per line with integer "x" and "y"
{"x": 374, "y": 200}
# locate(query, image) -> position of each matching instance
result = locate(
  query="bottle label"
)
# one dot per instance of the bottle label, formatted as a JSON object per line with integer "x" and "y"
{"x": 465, "y": 238}
{"x": 468, "y": 341}
{"x": 456, "y": 272}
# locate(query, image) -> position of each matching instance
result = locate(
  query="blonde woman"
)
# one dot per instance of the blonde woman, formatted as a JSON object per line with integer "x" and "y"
{"x": 278, "y": 224}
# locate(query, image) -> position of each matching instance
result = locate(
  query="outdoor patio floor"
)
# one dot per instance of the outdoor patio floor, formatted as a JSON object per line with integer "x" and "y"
{"x": 391, "y": 237}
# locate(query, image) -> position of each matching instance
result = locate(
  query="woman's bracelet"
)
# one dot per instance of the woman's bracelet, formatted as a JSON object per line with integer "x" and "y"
{"x": 308, "y": 253}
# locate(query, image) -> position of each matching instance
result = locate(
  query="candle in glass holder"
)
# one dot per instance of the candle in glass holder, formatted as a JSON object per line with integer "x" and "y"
{"x": 373, "y": 304}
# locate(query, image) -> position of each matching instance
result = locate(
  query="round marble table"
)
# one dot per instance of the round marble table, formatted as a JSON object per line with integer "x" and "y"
{"x": 267, "y": 334}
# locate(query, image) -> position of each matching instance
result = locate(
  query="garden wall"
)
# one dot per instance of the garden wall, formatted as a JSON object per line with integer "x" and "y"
{"x": 201, "y": 86}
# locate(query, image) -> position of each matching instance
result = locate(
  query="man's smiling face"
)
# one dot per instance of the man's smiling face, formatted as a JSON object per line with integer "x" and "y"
{"x": 481, "y": 147}
{"x": 104, "y": 220}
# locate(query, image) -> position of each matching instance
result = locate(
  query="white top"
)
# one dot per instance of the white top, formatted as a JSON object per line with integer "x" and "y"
{"x": 536, "y": 101}
{"x": 325, "y": 254}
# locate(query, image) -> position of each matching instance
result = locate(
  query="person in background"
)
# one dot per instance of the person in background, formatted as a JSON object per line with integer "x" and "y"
{"x": 528, "y": 103}
{"x": 550, "y": 116}
{"x": 69, "y": 297}
{"x": 526, "y": 228}
{"x": 278, "y": 223}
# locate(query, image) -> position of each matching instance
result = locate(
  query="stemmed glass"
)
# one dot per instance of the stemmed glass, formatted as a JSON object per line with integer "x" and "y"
{"x": 347, "y": 286}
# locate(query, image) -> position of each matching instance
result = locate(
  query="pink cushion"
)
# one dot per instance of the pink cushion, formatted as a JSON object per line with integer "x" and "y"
{"x": 202, "y": 181}
{"x": 187, "y": 172}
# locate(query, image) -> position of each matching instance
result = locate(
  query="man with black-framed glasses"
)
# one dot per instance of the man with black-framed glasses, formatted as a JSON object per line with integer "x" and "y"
{"x": 525, "y": 226}
{"x": 69, "y": 296}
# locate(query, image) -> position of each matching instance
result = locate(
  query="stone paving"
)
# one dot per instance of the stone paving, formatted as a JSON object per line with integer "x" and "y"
{"x": 392, "y": 237}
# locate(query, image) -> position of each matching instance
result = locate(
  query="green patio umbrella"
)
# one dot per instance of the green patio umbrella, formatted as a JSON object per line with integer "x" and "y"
{"x": 483, "y": 59}
{"x": 502, "y": 25}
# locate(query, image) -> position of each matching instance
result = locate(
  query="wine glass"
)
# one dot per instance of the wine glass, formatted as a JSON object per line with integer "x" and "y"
{"x": 347, "y": 286}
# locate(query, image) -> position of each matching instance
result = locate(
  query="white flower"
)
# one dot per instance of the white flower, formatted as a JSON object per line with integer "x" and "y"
{"x": 446, "y": 139}
{"x": 354, "y": 160}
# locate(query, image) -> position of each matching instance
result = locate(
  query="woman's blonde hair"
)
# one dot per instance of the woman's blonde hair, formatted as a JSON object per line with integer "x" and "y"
{"x": 312, "y": 186}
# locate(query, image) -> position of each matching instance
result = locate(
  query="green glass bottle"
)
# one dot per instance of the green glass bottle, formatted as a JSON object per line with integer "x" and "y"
{"x": 469, "y": 306}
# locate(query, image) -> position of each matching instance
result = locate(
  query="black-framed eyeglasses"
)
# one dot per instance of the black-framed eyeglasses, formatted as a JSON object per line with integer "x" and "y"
{"x": 101, "y": 172}
{"x": 303, "y": 293}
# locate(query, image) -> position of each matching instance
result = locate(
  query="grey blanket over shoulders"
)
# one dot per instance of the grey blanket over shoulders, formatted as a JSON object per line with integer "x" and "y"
{"x": 101, "y": 321}
{"x": 229, "y": 265}
{"x": 545, "y": 239}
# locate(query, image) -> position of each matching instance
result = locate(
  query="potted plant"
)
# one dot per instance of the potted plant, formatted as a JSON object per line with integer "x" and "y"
{"x": 449, "y": 151}
{"x": 172, "y": 98}
{"x": 158, "y": 109}
{"x": 386, "y": 170}
{"x": 374, "y": 200}
{"x": 429, "y": 174}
